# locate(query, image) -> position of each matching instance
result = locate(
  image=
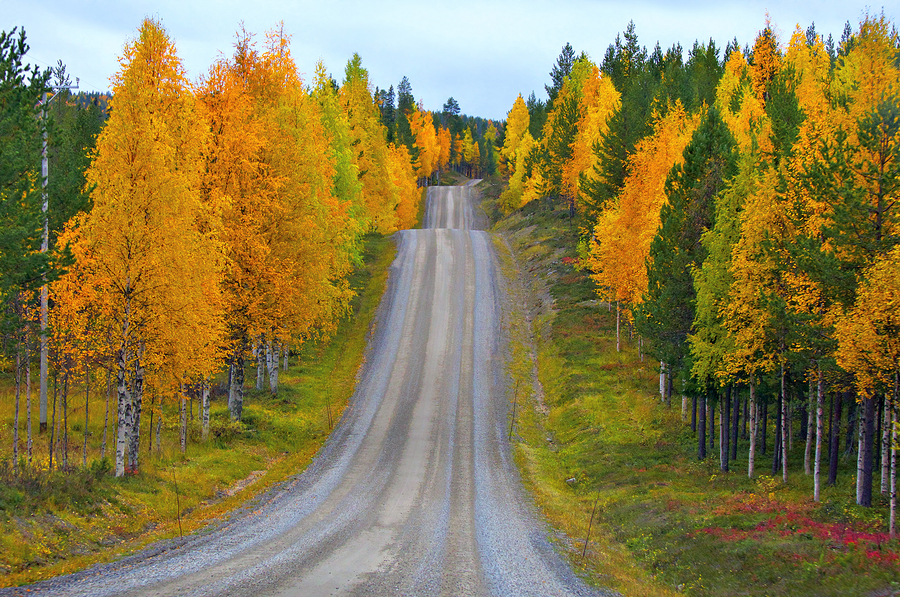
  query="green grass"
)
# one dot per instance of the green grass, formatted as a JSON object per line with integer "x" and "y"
{"x": 665, "y": 523}
{"x": 59, "y": 522}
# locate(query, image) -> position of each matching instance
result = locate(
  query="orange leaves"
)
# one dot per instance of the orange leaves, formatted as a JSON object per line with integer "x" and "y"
{"x": 599, "y": 99}
{"x": 620, "y": 245}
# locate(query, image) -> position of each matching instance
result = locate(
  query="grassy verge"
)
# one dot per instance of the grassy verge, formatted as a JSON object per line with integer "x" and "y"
{"x": 56, "y": 523}
{"x": 599, "y": 440}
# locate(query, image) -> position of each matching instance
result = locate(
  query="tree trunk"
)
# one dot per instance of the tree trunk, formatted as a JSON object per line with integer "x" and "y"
{"x": 65, "y": 421}
{"x": 286, "y": 350}
{"x": 662, "y": 379}
{"x": 16, "y": 415}
{"x": 183, "y": 412}
{"x": 701, "y": 436}
{"x": 204, "y": 393}
{"x": 694, "y": 414}
{"x": 30, "y": 440}
{"x": 125, "y": 412}
{"x": 764, "y": 426}
{"x": 724, "y": 419}
{"x": 746, "y": 417}
{"x": 776, "y": 453}
{"x": 106, "y": 416}
{"x": 834, "y": 444}
{"x": 236, "y": 406}
{"x": 859, "y": 457}
{"x": 618, "y": 326}
{"x": 158, "y": 429}
{"x": 736, "y": 405}
{"x": 87, "y": 393}
{"x": 138, "y": 396}
{"x": 260, "y": 362}
{"x": 893, "y": 410}
{"x": 711, "y": 423}
{"x": 885, "y": 445}
{"x": 272, "y": 365}
{"x": 785, "y": 430}
{"x": 851, "y": 424}
{"x": 807, "y": 452}
{"x": 52, "y": 446}
{"x": 867, "y": 449}
{"x": 684, "y": 408}
{"x": 754, "y": 418}
{"x": 820, "y": 428}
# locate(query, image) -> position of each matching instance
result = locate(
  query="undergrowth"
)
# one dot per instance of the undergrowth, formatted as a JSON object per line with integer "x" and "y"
{"x": 62, "y": 521}
{"x": 600, "y": 440}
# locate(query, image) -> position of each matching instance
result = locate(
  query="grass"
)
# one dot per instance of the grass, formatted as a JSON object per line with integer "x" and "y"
{"x": 665, "y": 524}
{"x": 59, "y": 522}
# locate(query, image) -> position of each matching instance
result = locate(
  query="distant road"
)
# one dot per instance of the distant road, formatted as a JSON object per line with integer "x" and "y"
{"x": 415, "y": 492}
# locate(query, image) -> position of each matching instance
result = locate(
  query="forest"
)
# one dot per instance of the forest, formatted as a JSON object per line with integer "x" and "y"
{"x": 186, "y": 227}
{"x": 735, "y": 210}
{"x": 738, "y": 209}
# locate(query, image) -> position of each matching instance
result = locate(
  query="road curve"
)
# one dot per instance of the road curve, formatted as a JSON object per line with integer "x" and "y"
{"x": 415, "y": 492}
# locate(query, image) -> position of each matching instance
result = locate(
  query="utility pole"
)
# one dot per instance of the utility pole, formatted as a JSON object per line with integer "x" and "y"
{"x": 45, "y": 246}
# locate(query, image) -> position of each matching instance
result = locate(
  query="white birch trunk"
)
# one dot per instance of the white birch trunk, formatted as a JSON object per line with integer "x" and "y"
{"x": 260, "y": 362}
{"x": 618, "y": 326}
{"x": 684, "y": 408}
{"x": 204, "y": 393}
{"x": 125, "y": 407}
{"x": 886, "y": 446}
{"x": 662, "y": 381}
{"x": 751, "y": 461}
{"x": 137, "y": 396}
{"x": 893, "y": 522}
{"x": 272, "y": 353}
{"x": 158, "y": 430}
{"x": 861, "y": 421}
{"x": 785, "y": 430}
{"x": 29, "y": 446}
{"x": 236, "y": 400}
{"x": 286, "y": 349}
{"x": 809, "y": 426}
{"x": 820, "y": 429}
{"x": 183, "y": 412}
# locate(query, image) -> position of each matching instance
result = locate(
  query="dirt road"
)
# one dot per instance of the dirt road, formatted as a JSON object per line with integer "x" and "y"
{"x": 415, "y": 492}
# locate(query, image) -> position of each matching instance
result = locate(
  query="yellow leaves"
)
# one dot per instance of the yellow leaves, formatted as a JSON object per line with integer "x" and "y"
{"x": 599, "y": 100}
{"x": 144, "y": 250}
{"x": 869, "y": 334}
{"x": 620, "y": 245}
{"x": 741, "y": 108}
{"x": 517, "y": 121}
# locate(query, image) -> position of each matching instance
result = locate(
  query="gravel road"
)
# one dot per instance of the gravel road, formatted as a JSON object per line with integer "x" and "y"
{"x": 415, "y": 492}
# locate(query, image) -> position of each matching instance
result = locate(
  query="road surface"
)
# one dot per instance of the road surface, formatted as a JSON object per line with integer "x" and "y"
{"x": 415, "y": 492}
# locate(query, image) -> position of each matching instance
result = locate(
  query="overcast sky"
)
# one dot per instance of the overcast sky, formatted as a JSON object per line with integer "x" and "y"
{"x": 483, "y": 53}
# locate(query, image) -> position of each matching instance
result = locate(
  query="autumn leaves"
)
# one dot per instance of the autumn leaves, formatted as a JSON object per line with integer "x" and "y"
{"x": 226, "y": 216}
{"x": 741, "y": 212}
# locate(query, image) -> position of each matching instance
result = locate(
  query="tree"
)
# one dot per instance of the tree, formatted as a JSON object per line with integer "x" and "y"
{"x": 560, "y": 71}
{"x": 667, "y": 312}
{"x": 142, "y": 247}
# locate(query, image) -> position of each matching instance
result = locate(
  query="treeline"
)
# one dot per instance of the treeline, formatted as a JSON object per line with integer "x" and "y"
{"x": 739, "y": 208}
{"x": 191, "y": 226}
{"x": 439, "y": 140}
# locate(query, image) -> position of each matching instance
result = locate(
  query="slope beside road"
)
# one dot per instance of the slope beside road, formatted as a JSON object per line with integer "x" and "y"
{"x": 415, "y": 492}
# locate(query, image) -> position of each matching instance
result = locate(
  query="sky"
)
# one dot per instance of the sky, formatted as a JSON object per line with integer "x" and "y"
{"x": 482, "y": 53}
